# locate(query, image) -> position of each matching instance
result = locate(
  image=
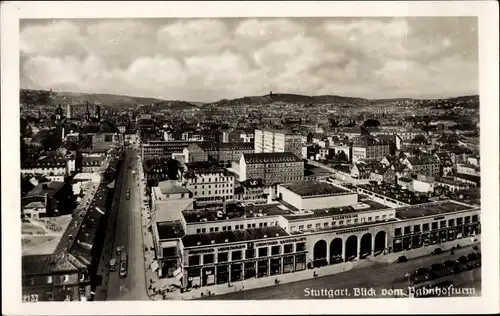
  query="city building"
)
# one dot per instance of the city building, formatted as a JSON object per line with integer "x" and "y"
{"x": 163, "y": 149}
{"x": 273, "y": 140}
{"x": 227, "y": 151}
{"x": 48, "y": 199}
{"x": 311, "y": 225}
{"x": 237, "y": 136}
{"x": 194, "y": 153}
{"x": 425, "y": 164}
{"x": 209, "y": 183}
{"x": 370, "y": 149}
{"x": 69, "y": 111}
{"x": 271, "y": 168}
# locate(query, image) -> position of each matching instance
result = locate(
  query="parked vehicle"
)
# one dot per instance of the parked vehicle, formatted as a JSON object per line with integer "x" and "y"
{"x": 123, "y": 264}
{"x": 118, "y": 250}
{"x": 436, "y": 267}
{"x": 462, "y": 259}
{"x": 421, "y": 271}
{"x": 112, "y": 264}
{"x": 401, "y": 259}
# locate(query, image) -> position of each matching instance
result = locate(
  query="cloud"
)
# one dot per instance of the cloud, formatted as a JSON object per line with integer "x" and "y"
{"x": 210, "y": 59}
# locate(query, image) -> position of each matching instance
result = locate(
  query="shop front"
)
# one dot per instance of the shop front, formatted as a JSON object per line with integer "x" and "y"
{"x": 236, "y": 272}
{"x": 288, "y": 264}
{"x": 208, "y": 276}
{"x": 300, "y": 262}
{"x": 194, "y": 277}
{"x": 250, "y": 271}
{"x": 263, "y": 268}
{"x": 222, "y": 273}
{"x": 275, "y": 266}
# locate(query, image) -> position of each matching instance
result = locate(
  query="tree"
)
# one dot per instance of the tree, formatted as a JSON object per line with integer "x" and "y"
{"x": 341, "y": 155}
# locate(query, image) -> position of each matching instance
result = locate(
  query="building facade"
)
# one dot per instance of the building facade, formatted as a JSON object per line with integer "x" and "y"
{"x": 271, "y": 140}
{"x": 271, "y": 168}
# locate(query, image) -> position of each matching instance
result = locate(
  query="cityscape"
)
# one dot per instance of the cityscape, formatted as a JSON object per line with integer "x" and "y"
{"x": 249, "y": 159}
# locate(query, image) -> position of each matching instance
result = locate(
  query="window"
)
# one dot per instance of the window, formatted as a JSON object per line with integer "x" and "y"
{"x": 377, "y": 217}
{"x": 203, "y": 230}
{"x": 459, "y": 221}
{"x": 407, "y": 230}
{"x": 334, "y": 223}
{"x": 309, "y": 226}
{"x": 467, "y": 219}
{"x": 301, "y": 246}
{"x": 475, "y": 218}
{"x": 49, "y": 279}
{"x": 442, "y": 224}
{"x": 211, "y": 229}
{"x": 318, "y": 225}
{"x": 236, "y": 255}
{"x": 369, "y": 218}
{"x": 265, "y": 224}
{"x": 397, "y": 232}
{"x": 301, "y": 227}
{"x": 263, "y": 252}
{"x": 416, "y": 228}
{"x": 222, "y": 257}
{"x": 249, "y": 253}
{"x": 356, "y": 220}
{"x": 275, "y": 250}
{"x": 228, "y": 227}
{"x": 198, "y": 231}
{"x": 65, "y": 278}
{"x": 325, "y": 224}
{"x": 249, "y": 225}
{"x": 348, "y": 222}
{"x": 288, "y": 248}
{"x": 425, "y": 227}
{"x": 384, "y": 216}
{"x": 253, "y": 225}
{"x": 451, "y": 222}
{"x": 434, "y": 225}
{"x": 207, "y": 259}
{"x": 194, "y": 260}
{"x": 341, "y": 222}
{"x": 223, "y": 228}
{"x": 261, "y": 224}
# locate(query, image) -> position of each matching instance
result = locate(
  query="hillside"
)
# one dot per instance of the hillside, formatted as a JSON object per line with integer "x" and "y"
{"x": 49, "y": 98}
{"x": 469, "y": 101}
{"x": 288, "y": 98}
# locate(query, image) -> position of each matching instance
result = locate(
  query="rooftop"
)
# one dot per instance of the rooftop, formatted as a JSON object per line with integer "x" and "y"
{"x": 50, "y": 188}
{"x": 171, "y": 187}
{"x": 226, "y": 146}
{"x": 49, "y": 263}
{"x": 314, "y": 188}
{"x": 168, "y": 230}
{"x": 257, "y": 158}
{"x": 395, "y": 192}
{"x": 232, "y": 236}
{"x": 234, "y": 211}
{"x": 364, "y": 205}
{"x": 430, "y": 209}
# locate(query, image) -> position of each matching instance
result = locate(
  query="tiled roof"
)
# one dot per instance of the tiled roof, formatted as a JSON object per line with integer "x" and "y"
{"x": 50, "y": 188}
{"x": 256, "y": 158}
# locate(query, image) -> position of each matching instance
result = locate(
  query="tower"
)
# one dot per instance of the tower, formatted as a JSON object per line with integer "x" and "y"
{"x": 87, "y": 113}
{"x": 98, "y": 112}
{"x": 59, "y": 112}
{"x": 69, "y": 111}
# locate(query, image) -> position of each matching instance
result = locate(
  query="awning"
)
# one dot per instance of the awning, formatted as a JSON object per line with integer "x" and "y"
{"x": 178, "y": 272}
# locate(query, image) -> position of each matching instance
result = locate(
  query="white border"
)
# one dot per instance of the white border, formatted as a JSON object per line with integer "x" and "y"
{"x": 488, "y": 56}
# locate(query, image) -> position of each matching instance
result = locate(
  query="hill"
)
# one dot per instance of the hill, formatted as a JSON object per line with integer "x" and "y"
{"x": 51, "y": 98}
{"x": 470, "y": 101}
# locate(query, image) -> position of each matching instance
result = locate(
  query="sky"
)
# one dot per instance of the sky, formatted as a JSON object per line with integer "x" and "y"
{"x": 210, "y": 59}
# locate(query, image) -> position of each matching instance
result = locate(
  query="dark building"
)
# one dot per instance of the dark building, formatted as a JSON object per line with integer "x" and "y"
{"x": 48, "y": 199}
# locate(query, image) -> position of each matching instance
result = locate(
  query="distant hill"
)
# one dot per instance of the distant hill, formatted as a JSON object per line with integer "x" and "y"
{"x": 50, "y": 98}
{"x": 335, "y": 99}
{"x": 288, "y": 98}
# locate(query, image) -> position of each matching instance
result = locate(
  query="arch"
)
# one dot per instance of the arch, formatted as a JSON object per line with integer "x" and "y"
{"x": 320, "y": 253}
{"x": 336, "y": 251}
{"x": 365, "y": 246}
{"x": 351, "y": 248}
{"x": 380, "y": 240}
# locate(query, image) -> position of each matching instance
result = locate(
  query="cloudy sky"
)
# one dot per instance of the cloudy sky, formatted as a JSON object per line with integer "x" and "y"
{"x": 211, "y": 59}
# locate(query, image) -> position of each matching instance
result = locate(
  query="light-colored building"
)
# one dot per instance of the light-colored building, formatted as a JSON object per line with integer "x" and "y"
{"x": 169, "y": 199}
{"x": 272, "y": 140}
{"x": 209, "y": 184}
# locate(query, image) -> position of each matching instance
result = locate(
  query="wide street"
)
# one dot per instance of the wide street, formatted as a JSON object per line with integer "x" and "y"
{"x": 128, "y": 234}
{"x": 379, "y": 276}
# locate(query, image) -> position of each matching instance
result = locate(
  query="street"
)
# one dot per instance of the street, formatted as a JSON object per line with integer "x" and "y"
{"x": 379, "y": 276}
{"x": 128, "y": 234}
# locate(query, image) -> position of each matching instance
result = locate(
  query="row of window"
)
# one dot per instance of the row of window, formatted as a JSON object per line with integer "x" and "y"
{"x": 49, "y": 279}
{"x": 249, "y": 254}
{"x": 224, "y": 185}
{"x": 436, "y": 225}
{"x": 236, "y": 227}
{"x": 341, "y": 222}
{"x": 221, "y": 179}
{"x": 229, "y": 191}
